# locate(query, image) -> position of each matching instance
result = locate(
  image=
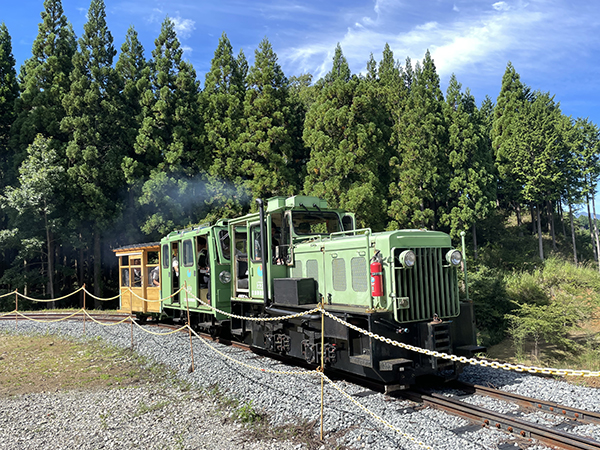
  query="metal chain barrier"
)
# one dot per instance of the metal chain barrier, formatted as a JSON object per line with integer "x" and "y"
{"x": 259, "y": 369}
{"x": 372, "y": 414}
{"x": 464, "y": 359}
{"x": 256, "y": 319}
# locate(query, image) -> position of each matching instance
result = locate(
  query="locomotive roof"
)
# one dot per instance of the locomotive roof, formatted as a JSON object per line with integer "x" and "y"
{"x": 148, "y": 245}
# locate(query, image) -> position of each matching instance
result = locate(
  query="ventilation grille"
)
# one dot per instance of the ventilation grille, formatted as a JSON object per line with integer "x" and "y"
{"x": 339, "y": 274}
{"x": 431, "y": 286}
{"x": 360, "y": 280}
{"x": 312, "y": 269}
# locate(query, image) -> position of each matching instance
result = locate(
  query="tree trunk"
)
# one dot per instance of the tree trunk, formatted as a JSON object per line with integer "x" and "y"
{"x": 573, "y": 233}
{"x": 587, "y": 201}
{"x": 474, "y": 241}
{"x": 519, "y": 219}
{"x": 551, "y": 222}
{"x": 562, "y": 219}
{"x": 539, "y": 227}
{"x": 97, "y": 269}
{"x": 50, "y": 259}
{"x": 532, "y": 208}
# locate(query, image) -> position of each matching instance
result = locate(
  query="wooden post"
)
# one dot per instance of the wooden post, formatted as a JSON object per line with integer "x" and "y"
{"x": 84, "y": 308}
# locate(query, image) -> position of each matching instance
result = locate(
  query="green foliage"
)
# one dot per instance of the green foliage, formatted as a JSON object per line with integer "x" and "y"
{"x": 9, "y": 91}
{"x": 44, "y": 80}
{"x": 268, "y": 141}
{"x": 420, "y": 174}
{"x": 345, "y": 130}
{"x": 551, "y": 302}
{"x": 487, "y": 289}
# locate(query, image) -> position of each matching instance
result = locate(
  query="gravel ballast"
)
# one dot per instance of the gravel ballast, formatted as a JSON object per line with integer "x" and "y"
{"x": 185, "y": 420}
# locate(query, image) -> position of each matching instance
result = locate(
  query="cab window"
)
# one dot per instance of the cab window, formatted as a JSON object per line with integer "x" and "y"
{"x": 188, "y": 253}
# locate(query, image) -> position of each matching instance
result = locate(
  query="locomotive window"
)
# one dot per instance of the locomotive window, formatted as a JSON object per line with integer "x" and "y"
{"x": 124, "y": 260}
{"x": 136, "y": 262}
{"x": 315, "y": 222}
{"x": 256, "y": 243}
{"x": 188, "y": 253}
{"x": 339, "y": 274}
{"x": 165, "y": 256}
{"x": 225, "y": 243}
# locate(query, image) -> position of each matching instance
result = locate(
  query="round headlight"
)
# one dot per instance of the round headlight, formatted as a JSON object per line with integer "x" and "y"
{"x": 225, "y": 277}
{"x": 454, "y": 257}
{"x": 407, "y": 258}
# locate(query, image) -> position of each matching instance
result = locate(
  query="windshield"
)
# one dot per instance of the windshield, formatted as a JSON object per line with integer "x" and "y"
{"x": 314, "y": 222}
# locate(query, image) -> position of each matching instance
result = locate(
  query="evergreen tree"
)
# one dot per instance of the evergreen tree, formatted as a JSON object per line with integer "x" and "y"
{"x": 92, "y": 120}
{"x": 170, "y": 136}
{"x": 345, "y": 130}
{"x": 35, "y": 200}
{"x": 9, "y": 91}
{"x": 472, "y": 182}
{"x": 134, "y": 78}
{"x": 267, "y": 142}
{"x": 420, "y": 166}
{"x": 223, "y": 96}
{"x": 510, "y": 102}
{"x": 44, "y": 80}
{"x": 535, "y": 152}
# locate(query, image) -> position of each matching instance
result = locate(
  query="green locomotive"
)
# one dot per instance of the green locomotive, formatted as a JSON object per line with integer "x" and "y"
{"x": 296, "y": 253}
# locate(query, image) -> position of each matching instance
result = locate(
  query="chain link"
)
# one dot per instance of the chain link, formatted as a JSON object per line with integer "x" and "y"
{"x": 371, "y": 413}
{"x": 464, "y": 359}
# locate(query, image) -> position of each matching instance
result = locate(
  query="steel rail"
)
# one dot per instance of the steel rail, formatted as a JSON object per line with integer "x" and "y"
{"x": 512, "y": 425}
{"x": 532, "y": 404}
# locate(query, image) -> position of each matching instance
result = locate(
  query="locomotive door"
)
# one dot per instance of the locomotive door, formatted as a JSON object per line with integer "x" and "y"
{"x": 255, "y": 262}
{"x": 187, "y": 271}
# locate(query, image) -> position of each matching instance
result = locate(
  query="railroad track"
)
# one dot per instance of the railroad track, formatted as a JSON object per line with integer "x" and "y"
{"x": 513, "y": 425}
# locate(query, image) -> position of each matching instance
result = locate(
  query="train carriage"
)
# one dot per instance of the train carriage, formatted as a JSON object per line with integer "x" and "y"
{"x": 296, "y": 253}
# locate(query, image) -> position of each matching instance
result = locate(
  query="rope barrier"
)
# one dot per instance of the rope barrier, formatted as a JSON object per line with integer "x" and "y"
{"x": 100, "y": 298}
{"x": 104, "y": 323}
{"x": 154, "y": 301}
{"x": 14, "y": 311}
{"x": 48, "y": 321}
{"x": 8, "y": 293}
{"x": 47, "y": 300}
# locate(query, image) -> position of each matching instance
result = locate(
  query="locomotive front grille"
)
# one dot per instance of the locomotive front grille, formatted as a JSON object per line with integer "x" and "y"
{"x": 430, "y": 286}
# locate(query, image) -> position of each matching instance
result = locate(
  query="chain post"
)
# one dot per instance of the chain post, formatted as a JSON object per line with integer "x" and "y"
{"x": 187, "y": 304}
{"x": 16, "y": 307}
{"x": 322, "y": 363}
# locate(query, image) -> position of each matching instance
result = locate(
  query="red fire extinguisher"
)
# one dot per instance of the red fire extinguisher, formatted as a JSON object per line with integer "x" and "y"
{"x": 376, "y": 276}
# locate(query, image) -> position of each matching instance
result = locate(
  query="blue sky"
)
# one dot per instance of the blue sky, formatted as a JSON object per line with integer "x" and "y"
{"x": 553, "y": 44}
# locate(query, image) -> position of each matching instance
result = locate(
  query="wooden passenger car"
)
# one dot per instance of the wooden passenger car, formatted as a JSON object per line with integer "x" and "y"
{"x": 136, "y": 263}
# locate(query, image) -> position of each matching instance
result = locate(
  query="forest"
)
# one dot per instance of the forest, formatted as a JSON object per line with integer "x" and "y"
{"x": 102, "y": 148}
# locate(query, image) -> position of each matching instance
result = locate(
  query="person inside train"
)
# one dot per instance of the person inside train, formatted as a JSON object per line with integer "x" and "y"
{"x": 154, "y": 276}
{"x": 203, "y": 263}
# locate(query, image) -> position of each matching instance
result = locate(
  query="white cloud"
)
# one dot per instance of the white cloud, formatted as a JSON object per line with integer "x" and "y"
{"x": 501, "y": 6}
{"x": 183, "y": 27}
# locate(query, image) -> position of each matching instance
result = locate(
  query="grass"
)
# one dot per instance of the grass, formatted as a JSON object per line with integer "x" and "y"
{"x": 47, "y": 363}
